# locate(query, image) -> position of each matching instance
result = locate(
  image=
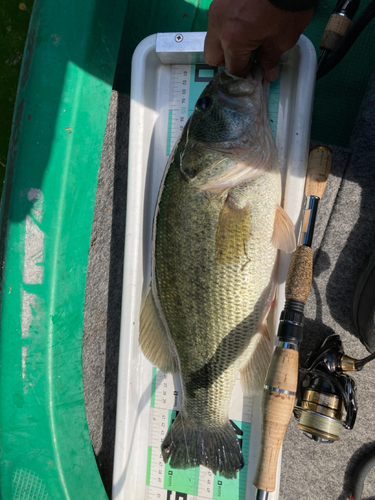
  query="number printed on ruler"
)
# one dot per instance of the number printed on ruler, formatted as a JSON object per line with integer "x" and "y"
{"x": 167, "y": 391}
{"x": 159, "y": 426}
{"x": 178, "y": 102}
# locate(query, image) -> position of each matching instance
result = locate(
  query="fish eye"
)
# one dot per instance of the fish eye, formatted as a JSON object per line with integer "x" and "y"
{"x": 204, "y": 102}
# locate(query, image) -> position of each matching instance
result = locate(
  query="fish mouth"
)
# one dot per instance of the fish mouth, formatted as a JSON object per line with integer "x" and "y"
{"x": 234, "y": 86}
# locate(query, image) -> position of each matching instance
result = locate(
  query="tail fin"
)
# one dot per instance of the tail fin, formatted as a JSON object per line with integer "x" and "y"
{"x": 189, "y": 445}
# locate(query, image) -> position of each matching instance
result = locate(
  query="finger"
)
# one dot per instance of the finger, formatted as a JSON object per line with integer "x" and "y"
{"x": 227, "y": 51}
{"x": 273, "y": 47}
{"x": 213, "y": 52}
{"x": 268, "y": 57}
{"x": 237, "y": 52}
{"x": 238, "y": 63}
{"x": 271, "y": 74}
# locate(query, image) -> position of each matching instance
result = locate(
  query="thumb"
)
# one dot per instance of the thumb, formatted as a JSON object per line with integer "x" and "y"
{"x": 269, "y": 60}
{"x": 213, "y": 53}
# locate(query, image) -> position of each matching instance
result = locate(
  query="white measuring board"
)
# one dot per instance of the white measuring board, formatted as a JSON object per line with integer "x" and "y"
{"x": 163, "y": 95}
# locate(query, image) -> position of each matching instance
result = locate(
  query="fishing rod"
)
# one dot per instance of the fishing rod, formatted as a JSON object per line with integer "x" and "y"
{"x": 280, "y": 387}
{"x": 338, "y": 24}
{"x": 320, "y": 393}
{"x": 341, "y": 33}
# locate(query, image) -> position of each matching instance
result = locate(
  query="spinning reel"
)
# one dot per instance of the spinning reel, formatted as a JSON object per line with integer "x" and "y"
{"x": 326, "y": 394}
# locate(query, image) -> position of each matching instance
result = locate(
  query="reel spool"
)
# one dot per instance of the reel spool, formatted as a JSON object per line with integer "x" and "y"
{"x": 321, "y": 416}
{"x": 326, "y": 396}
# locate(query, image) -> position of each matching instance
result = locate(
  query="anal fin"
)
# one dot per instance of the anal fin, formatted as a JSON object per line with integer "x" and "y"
{"x": 283, "y": 236}
{"x": 253, "y": 374}
{"x": 154, "y": 339}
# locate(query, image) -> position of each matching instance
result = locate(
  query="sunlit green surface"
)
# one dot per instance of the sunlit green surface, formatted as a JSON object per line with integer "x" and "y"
{"x": 45, "y": 222}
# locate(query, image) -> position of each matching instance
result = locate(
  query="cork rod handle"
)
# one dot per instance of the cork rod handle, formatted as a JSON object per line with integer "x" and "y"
{"x": 299, "y": 279}
{"x": 277, "y": 406}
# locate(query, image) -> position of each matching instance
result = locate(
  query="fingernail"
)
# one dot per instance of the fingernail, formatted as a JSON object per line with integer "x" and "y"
{"x": 272, "y": 74}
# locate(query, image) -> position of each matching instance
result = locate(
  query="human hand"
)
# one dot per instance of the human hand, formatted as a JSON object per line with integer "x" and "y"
{"x": 238, "y": 27}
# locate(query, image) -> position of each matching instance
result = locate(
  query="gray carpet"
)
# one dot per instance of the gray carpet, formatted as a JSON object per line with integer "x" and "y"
{"x": 344, "y": 239}
{"x": 104, "y": 288}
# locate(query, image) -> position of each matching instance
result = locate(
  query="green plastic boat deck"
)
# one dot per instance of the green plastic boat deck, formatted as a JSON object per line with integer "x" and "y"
{"x": 46, "y": 214}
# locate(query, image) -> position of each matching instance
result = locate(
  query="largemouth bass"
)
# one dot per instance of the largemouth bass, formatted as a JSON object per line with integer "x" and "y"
{"x": 217, "y": 227}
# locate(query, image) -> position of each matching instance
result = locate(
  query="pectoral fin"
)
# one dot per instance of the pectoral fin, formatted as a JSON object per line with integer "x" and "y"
{"x": 283, "y": 236}
{"x": 154, "y": 339}
{"x": 232, "y": 233}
